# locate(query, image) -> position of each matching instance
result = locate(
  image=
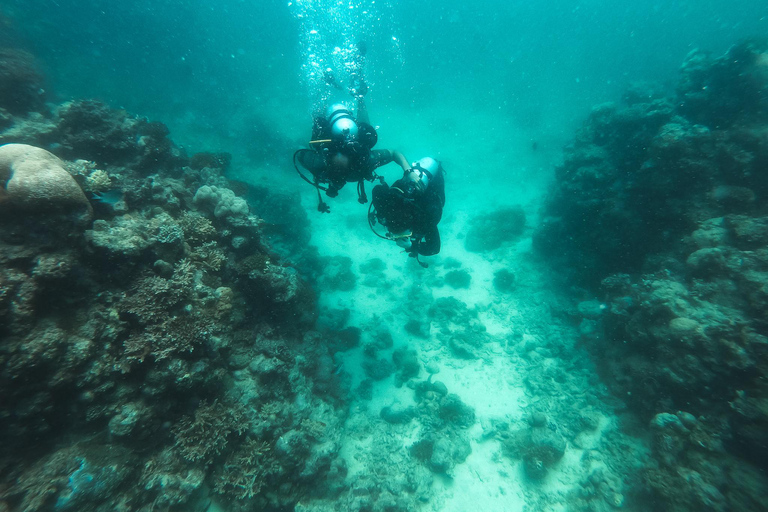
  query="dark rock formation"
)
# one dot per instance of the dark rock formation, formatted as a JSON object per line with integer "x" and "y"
{"x": 641, "y": 175}
{"x": 660, "y": 208}
{"x": 489, "y": 231}
{"x": 21, "y": 85}
{"x": 161, "y": 348}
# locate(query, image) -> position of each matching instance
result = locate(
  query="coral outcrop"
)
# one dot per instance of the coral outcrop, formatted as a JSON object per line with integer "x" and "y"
{"x": 540, "y": 445}
{"x": 641, "y": 175}
{"x": 659, "y": 209}
{"x": 162, "y": 356}
{"x": 21, "y": 84}
{"x": 35, "y": 182}
{"x": 491, "y": 230}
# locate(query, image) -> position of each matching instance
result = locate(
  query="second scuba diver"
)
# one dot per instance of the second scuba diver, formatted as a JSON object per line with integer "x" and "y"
{"x": 412, "y": 208}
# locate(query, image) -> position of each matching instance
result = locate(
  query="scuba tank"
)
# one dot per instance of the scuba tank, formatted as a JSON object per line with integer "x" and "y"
{"x": 337, "y": 129}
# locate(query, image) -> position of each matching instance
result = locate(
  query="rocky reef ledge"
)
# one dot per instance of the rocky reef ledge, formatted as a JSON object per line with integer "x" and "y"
{"x": 155, "y": 353}
{"x": 660, "y": 211}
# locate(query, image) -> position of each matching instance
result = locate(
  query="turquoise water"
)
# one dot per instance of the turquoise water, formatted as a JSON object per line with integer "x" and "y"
{"x": 205, "y": 68}
{"x": 504, "y": 340}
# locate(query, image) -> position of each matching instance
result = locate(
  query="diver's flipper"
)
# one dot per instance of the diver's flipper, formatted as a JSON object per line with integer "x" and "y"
{"x": 331, "y": 80}
{"x": 359, "y": 88}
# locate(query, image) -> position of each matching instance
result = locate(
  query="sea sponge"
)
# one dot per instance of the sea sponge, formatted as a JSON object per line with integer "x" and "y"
{"x": 34, "y": 180}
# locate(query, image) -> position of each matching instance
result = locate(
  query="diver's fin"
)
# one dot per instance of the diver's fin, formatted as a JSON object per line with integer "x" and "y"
{"x": 330, "y": 79}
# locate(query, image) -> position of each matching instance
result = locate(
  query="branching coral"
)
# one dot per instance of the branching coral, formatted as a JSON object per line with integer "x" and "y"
{"x": 197, "y": 229}
{"x": 246, "y": 471}
{"x": 153, "y": 298}
{"x": 170, "y": 479}
{"x": 207, "y": 433}
{"x": 210, "y": 256}
{"x": 174, "y": 336}
{"x": 163, "y": 328}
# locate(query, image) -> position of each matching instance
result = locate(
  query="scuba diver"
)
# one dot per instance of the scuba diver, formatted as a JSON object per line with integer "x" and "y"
{"x": 411, "y": 208}
{"x": 342, "y": 145}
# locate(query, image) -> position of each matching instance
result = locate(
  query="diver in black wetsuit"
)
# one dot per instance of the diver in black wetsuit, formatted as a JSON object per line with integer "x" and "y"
{"x": 412, "y": 208}
{"x": 342, "y": 145}
{"x": 343, "y": 151}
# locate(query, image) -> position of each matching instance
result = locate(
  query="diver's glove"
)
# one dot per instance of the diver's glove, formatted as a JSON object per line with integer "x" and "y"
{"x": 413, "y": 250}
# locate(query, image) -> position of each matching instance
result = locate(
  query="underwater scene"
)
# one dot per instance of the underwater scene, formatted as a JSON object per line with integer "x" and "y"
{"x": 383, "y": 256}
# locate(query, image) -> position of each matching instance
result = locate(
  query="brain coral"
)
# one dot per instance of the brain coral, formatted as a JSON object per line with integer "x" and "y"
{"x": 35, "y": 180}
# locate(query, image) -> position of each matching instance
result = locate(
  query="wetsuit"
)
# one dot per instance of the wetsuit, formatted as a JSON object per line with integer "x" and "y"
{"x": 363, "y": 159}
{"x": 400, "y": 208}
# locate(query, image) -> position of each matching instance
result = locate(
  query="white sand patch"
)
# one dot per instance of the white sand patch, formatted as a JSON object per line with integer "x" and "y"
{"x": 487, "y": 481}
{"x": 492, "y": 386}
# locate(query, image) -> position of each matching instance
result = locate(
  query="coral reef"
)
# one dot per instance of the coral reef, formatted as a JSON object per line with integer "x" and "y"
{"x": 162, "y": 356}
{"x": 443, "y": 442}
{"x": 407, "y": 364}
{"x": 659, "y": 209}
{"x": 206, "y": 434}
{"x": 460, "y": 328}
{"x": 284, "y": 222}
{"x": 693, "y": 471}
{"x": 74, "y": 478}
{"x": 21, "y": 84}
{"x": 35, "y": 183}
{"x": 642, "y": 175}
{"x": 90, "y": 130}
{"x": 540, "y": 446}
{"x": 337, "y": 274}
{"x": 504, "y": 281}
{"x": 489, "y": 231}
{"x": 458, "y": 278}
